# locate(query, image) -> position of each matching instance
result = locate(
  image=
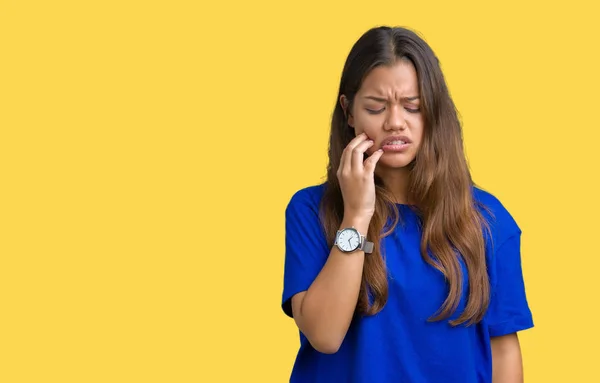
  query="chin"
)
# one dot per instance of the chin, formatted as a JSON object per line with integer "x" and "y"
{"x": 395, "y": 161}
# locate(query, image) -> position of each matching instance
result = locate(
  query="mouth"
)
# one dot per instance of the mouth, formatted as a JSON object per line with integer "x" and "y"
{"x": 395, "y": 144}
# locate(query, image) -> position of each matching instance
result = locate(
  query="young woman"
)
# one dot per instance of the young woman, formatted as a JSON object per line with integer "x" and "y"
{"x": 398, "y": 268}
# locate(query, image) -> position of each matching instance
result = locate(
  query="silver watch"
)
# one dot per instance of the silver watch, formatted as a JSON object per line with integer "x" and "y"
{"x": 349, "y": 240}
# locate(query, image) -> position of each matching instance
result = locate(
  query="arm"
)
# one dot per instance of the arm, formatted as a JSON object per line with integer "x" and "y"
{"x": 507, "y": 365}
{"x": 323, "y": 313}
{"x": 509, "y": 310}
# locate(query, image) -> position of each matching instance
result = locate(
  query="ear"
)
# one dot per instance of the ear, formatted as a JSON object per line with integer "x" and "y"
{"x": 347, "y": 113}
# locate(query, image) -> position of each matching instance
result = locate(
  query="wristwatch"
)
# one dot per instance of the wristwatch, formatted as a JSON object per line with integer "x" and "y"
{"x": 349, "y": 240}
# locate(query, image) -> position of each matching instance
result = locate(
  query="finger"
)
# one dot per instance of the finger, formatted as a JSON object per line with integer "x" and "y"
{"x": 358, "y": 154}
{"x": 357, "y": 140}
{"x": 346, "y": 161}
{"x": 371, "y": 162}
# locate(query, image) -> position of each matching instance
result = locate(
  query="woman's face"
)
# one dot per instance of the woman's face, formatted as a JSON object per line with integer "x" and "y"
{"x": 387, "y": 109}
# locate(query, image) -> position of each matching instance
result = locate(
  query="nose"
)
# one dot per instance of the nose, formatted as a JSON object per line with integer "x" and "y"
{"x": 395, "y": 119}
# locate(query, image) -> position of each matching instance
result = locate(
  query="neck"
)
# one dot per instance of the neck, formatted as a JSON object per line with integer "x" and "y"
{"x": 396, "y": 182}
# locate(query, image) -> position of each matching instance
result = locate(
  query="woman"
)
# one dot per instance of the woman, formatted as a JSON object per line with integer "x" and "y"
{"x": 398, "y": 268}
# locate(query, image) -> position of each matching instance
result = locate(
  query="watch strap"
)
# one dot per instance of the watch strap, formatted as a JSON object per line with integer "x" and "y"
{"x": 367, "y": 247}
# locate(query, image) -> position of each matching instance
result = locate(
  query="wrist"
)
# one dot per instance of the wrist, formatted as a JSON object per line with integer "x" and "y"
{"x": 360, "y": 223}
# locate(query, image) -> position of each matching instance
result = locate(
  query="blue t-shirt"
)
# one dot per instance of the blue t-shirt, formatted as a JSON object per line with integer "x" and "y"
{"x": 399, "y": 344}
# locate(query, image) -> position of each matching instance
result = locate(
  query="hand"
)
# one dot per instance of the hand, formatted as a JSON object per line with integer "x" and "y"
{"x": 357, "y": 179}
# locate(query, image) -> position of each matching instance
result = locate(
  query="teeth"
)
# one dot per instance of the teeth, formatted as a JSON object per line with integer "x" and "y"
{"x": 398, "y": 142}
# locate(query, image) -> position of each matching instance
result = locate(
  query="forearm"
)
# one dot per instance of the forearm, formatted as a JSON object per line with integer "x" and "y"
{"x": 326, "y": 309}
{"x": 507, "y": 361}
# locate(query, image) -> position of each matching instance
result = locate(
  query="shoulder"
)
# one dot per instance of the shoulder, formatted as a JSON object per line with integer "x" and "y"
{"x": 303, "y": 215}
{"x": 500, "y": 221}
{"x": 307, "y": 198}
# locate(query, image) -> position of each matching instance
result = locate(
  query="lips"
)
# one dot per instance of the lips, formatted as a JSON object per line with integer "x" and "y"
{"x": 396, "y": 140}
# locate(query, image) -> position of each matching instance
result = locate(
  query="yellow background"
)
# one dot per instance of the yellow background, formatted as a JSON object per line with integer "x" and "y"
{"x": 149, "y": 148}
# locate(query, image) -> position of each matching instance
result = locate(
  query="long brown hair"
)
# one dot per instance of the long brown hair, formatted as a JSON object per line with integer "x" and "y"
{"x": 440, "y": 183}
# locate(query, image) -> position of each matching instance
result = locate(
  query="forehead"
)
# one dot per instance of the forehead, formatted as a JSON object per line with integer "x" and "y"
{"x": 399, "y": 78}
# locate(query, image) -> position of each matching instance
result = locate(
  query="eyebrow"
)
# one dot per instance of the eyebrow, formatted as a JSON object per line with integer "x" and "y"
{"x": 379, "y": 99}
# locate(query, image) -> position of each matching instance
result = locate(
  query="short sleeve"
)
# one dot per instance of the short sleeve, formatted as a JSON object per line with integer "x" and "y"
{"x": 306, "y": 248}
{"x": 509, "y": 310}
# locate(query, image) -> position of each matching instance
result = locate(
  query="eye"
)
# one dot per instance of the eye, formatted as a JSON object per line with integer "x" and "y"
{"x": 371, "y": 111}
{"x": 410, "y": 110}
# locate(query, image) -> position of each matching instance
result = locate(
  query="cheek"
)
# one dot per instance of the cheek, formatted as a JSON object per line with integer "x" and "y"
{"x": 368, "y": 125}
{"x": 417, "y": 128}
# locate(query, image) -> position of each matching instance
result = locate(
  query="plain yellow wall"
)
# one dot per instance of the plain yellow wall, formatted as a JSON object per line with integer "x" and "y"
{"x": 149, "y": 148}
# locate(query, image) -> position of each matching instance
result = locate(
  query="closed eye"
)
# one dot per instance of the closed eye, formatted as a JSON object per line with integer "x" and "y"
{"x": 410, "y": 110}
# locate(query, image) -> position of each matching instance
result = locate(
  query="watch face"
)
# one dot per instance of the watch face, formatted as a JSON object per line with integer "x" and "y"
{"x": 348, "y": 240}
